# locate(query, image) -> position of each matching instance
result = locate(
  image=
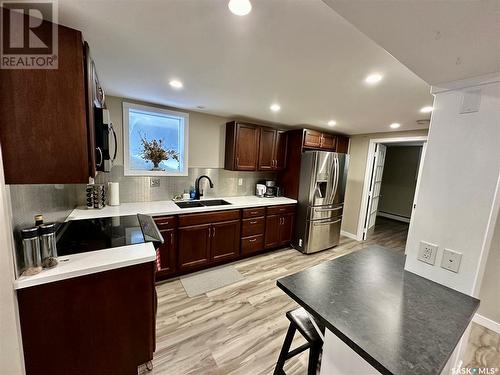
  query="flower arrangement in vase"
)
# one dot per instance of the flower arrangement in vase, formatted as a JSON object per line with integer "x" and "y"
{"x": 154, "y": 152}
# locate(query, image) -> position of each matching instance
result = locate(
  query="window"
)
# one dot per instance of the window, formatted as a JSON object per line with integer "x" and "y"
{"x": 155, "y": 141}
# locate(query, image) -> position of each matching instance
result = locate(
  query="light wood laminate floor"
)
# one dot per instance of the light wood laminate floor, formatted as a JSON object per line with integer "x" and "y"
{"x": 239, "y": 329}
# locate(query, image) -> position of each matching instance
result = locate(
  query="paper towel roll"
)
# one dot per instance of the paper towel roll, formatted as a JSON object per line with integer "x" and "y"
{"x": 114, "y": 193}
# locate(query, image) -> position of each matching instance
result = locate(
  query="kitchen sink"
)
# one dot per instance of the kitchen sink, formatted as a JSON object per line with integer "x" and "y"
{"x": 189, "y": 204}
{"x": 203, "y": 203}
{"x": 215, "y": 202}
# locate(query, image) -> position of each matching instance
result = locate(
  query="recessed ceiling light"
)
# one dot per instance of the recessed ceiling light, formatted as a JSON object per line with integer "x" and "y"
{"x": 176, "y": 84}
{"x": 275, "y": 107}
{"x": 373, "y": 78}
{"x": 332, "y": 123}
{"x": 240, "y": 7}
{"x": 426, "y": 109}
{"x": 395, "y": 125}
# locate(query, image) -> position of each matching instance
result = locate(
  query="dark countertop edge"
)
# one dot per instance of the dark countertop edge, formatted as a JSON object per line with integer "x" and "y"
{"x": 362, "y": 353}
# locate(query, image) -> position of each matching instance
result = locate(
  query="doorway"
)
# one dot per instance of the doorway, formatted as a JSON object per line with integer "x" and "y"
{"x": 391, "y": 186}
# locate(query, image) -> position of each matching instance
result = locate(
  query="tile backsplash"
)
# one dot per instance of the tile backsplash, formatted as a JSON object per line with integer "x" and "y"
{"x": 138, "y": 188}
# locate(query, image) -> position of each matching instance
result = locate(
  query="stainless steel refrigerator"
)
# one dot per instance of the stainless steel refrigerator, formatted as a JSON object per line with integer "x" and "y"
{"x": 323, "y": 177}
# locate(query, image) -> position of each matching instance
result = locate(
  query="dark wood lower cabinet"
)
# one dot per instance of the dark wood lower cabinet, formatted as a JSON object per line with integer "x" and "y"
{"x": 279, "y": 230}
{"x": 225, "y": 240}
{"x": 168, "y": 254}
{"x": 210, "y": 238}
{"x": 194, "y": 246}
{"x": 272, "y": 237}
{"x": 102, "y": 323}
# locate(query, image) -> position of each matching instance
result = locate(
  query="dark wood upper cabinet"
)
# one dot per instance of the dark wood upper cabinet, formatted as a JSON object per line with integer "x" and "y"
{"x": 342, "y": 144}
{"x": 242, "y": 146}
{"x": 225, "y": 240}
{"x": 312, "y": 138}
{"x": 272, "y": 149}
{"x": 266, "y": 149}
{"x": 43, "y": 132}
{"x": 327, "y": 142}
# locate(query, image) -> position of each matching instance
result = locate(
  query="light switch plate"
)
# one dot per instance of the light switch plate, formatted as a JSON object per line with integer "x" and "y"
{"x": 451, "y": 260}
{"x": 427, "y": 252}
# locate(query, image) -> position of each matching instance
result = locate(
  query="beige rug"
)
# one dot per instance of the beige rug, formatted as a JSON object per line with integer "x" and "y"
{"x": 204, "y": 281}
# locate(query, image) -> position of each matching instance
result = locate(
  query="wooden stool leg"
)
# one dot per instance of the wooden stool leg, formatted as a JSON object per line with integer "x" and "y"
{"x": 278, "y": 370}
{"x": 314, "y": 352}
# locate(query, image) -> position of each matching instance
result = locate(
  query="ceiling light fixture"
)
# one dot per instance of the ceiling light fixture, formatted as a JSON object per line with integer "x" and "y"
{"x": 332, "y": 123}
{"x": 240, "y": 7}
{"x": 275, "y": 107}
{"x": 426, "y": 109}
{"x": 373, "y": 78}
{"x": 176, "y": 84}
{"x": 395, "y": 125}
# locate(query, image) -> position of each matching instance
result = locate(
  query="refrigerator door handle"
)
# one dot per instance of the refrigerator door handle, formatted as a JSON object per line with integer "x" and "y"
{"x": 335, "y": 179}
{"x": 328, "y": 209}
{"x": 317, "y": 223}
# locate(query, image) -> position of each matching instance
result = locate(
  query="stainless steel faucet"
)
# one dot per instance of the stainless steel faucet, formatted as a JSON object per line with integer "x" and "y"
{"x": 199, "y": 193}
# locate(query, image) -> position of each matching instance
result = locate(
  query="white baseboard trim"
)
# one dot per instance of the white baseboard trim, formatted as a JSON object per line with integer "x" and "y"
{"x": 349, "y": 235}
{"x": 485, "y": 322}
{"x": 393, "y": 217}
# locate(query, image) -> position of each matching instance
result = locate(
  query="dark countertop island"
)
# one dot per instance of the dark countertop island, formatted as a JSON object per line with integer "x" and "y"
{"x": 400, "y": 323}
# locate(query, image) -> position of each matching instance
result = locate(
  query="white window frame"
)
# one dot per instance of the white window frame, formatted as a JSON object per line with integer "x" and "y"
{"x": 134, "y": 172}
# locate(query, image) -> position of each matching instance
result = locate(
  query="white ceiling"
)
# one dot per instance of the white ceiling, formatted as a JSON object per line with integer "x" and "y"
{"x": 441, "y": 41}
{"x": 299, "y": 53}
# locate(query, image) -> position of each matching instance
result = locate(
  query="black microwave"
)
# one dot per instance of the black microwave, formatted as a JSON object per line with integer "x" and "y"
{"x": 101, "y": 134}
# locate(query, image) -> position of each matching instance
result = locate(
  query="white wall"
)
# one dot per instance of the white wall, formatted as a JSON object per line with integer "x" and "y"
{"x": 206, "y": 134}
{"x": 11, "y": 358}
{"x": 458, "y": 184}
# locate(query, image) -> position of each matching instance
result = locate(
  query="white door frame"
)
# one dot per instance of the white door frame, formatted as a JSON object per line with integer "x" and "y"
{"x": 366, "y": 182}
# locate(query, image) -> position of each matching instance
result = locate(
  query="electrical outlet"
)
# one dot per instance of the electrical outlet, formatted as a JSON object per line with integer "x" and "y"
{"x": 240, "y": 181}
{"x": 155, "y": 182}
{"x": 427, "y": 252}
{"x": 451, "y": 260}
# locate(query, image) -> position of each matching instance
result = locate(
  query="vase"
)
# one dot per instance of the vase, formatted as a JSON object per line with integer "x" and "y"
{"x": 156, "y": 167}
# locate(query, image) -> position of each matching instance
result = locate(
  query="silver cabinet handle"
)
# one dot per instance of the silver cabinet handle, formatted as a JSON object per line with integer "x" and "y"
{"x": 213, "y": 231}
{"x": 253, "y": 222}
{"x": 171, "y": 238}
{"x": 252, "y": 240}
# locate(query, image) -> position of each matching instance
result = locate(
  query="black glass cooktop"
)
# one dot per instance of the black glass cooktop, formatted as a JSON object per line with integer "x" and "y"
{"x": 80, "y": 236}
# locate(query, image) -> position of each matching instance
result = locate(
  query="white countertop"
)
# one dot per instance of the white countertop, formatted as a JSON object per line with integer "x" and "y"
{"x": 157, "y": 208}
{"x": 103, "y": 260}
{"x": 92, "y": 262}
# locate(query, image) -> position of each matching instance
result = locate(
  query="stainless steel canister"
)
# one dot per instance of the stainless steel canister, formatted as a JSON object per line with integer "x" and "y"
{"x": 48, "y": 245}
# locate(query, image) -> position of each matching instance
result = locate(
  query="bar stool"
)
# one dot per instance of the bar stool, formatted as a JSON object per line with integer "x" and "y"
{"x": 300, "y": 320}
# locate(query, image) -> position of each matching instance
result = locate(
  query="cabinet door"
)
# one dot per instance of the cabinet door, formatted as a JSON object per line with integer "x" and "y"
{"x": 247, "y": 146}
{"x": 280, "y": 145}
{"x": 342, "y": 144}
{"x": 168, "y": 251}
{"x": 328, "y": 142}
{"x": 194, "y": 246}
{"x": 312, "y": 138}
{"x": 266, "y": 149}
{"x": 272, "y": 237}
{"x": 286, "y": 228}
{"x": 225, "y": 240}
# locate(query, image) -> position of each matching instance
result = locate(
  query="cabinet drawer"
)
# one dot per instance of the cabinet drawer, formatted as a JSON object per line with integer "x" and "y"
{"x": 165, "y": 222}
{"x": 208, "y": 217}
{"x": 281, "y": 209}
{"x": 253, "y": 226}
{"x": 252, "y": 244}
{"x": 254, "y": 212}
